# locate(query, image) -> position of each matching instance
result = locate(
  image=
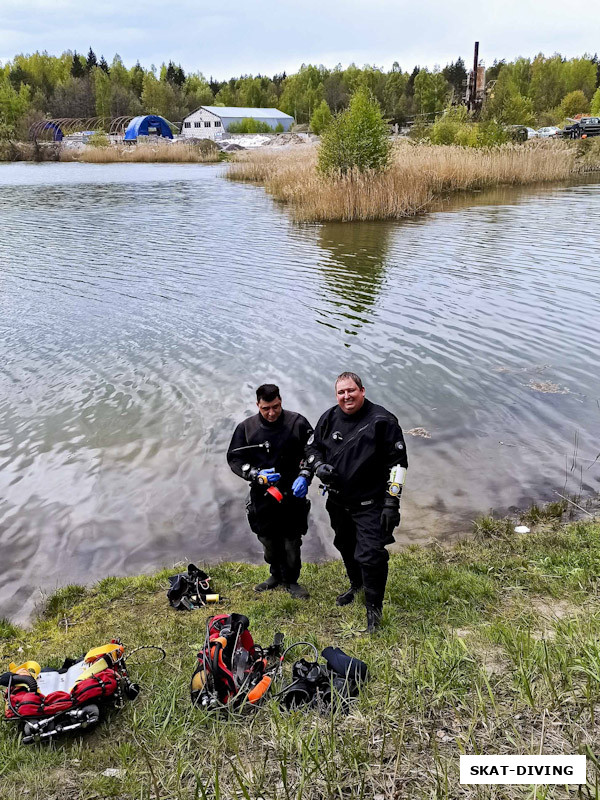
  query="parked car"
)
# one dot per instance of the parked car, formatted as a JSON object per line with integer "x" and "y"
{"x": 582, "y": 128}
{"x": 532, "y": 133}
{"x": 550, "y": 132}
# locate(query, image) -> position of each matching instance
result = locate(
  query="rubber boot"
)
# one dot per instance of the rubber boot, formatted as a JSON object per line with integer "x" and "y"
{"x": 270, "y": 583}
{"x": 347, "y": 597}
{"x": 297, "y": 591}
{"x": 373, "y": 619}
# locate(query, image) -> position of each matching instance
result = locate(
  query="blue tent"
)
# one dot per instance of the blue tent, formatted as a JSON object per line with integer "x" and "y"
{"x": 52, "y": 126}
{"x": 144, "y": 126}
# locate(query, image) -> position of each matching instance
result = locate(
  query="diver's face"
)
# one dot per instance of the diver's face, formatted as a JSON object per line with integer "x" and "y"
{"x": 270, "y": 410}
{"x": 349, "y": 397}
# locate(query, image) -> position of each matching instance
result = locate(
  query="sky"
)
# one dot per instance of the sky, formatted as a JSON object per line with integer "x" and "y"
{"x": 230, "y": 37}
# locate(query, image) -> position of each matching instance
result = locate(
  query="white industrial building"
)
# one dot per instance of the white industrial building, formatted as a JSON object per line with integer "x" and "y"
{"x": 211, "y": 122}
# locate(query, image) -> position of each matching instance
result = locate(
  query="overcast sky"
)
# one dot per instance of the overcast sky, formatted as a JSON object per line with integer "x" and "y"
{"x": 226, "y": 38}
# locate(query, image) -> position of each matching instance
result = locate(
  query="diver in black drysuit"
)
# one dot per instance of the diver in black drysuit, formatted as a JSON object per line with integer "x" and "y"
{"x": 279, "y": 526}
{"x": 353, "y": 454}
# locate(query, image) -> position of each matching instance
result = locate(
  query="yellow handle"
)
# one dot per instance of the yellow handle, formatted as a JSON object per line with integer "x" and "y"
{"x": 29, "y": 666}
{"x": 105, "y": 649}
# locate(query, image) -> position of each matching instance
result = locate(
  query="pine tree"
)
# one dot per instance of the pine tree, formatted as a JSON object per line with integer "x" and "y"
{"x": 103, "y": 65}
{"x": 456, "y": 75}
{"x": 91, "y": 60}
{"x": 170, "y": 75}
{"x": 179, "y": 77}
{"x": 77, "y": 69}
{"x": 410, "y": 86}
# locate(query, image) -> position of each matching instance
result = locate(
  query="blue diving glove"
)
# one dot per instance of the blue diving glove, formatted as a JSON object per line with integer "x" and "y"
{"x": 267, "y": 477}
{"x": 300, "y": 486}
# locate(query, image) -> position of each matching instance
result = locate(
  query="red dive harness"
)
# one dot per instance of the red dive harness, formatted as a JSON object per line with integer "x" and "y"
{"x": 49, "y": 702}
{"x": 232, "y": 670}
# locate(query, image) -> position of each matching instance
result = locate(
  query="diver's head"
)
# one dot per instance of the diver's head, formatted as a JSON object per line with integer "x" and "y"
{"x": 350, "y": 392}
{"x": 268, "y": 401}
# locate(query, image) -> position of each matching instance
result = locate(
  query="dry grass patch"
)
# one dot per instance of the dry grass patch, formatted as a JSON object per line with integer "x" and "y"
{"x": 419, "y": 175}
{"x": 178, "y": 153}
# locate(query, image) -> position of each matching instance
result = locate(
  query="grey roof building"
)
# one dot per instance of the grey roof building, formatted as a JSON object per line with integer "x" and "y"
{"x": 210, "y": 122}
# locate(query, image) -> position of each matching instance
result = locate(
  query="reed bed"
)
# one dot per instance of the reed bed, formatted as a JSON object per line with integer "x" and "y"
{"x": 419, "y": 174}
{"x": 179, "y": 153}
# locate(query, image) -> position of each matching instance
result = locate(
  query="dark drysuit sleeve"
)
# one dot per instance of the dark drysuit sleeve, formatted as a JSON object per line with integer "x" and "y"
{"x": 314, "y": 452}
{"x": 237, "y": 460}
{"x": 391, "y": 442}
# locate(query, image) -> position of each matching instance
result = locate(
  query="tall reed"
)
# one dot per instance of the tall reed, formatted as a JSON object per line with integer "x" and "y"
{"x": 179, "y": 153}
{"x": 419, "y": 175}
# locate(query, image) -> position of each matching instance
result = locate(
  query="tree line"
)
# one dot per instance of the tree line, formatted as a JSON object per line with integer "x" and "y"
{"x": 542, "y": 90}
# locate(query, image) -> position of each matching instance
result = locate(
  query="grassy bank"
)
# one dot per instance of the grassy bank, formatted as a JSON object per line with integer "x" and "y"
{"x": 492, "y": 646}
{"x": 418, "y": 176}
{"x": 205, "y": 152}
{"x": 178, "y": 153}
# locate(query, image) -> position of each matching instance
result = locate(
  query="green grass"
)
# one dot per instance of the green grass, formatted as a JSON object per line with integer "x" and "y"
{"x": 491, "y": 646}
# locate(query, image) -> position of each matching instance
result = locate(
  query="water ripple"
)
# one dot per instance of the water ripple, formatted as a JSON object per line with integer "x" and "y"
{"x": 141, "y": 304}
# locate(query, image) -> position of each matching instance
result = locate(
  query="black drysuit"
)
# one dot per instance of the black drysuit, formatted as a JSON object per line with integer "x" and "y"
{"x": 279, "y": 526}
{"x": 362, "y": 448}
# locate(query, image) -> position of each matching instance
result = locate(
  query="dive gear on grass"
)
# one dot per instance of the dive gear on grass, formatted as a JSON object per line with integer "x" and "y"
{"x": 49, "y": 702}
{"x": 322, "y": 685}
{"x": 232, "y": 671}
{"x": 191, "y": 589}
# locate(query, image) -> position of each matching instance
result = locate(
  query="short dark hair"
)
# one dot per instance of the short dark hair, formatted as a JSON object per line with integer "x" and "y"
{"x": 352, "y": 376}
{"x": 267, "y": 392}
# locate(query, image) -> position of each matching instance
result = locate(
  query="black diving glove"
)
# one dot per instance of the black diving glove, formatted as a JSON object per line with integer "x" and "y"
{"x": 325, "y": 473}
{"x": 390, "y": 516}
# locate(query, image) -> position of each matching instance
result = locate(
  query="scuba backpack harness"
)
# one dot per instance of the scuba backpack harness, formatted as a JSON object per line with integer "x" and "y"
{"x": 48, "y": 702}
{"x": 232, "y": 670}
{"x": 191, "y": 589}
{"x": 234, "y": 673}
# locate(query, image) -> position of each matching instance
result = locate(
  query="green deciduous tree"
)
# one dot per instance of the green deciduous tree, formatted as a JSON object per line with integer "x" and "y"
{"x": 505, "y": 104}
{"x": 580, "y": 74}
{"x": 595, "y": 105}
{"x": 321, "y": 118}
{"x": 102, "y": 92}
{"x": 250, "y": 125}
{"x": 431, "y": 91}
{"x": 548, "y": 82}
{"x": 357, "y": 138}
{"x": 394, "y": 98}
{"x": 574, "y": 103}
{"x": 13, "y": 105}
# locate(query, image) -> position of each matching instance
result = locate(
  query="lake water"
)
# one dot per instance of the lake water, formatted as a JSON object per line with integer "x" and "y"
{"x": 142, "y": 304}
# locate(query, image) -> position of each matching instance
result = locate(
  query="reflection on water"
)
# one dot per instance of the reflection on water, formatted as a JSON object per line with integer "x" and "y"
{"x": 141, "y": 304}
{"x": 353, "y": 268}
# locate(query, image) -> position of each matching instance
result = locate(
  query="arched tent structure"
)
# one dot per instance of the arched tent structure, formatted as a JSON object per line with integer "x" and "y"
{"x": 57, "y": 129}
{"x": 57, "y": 133}
{"x": 151, "y": 124}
